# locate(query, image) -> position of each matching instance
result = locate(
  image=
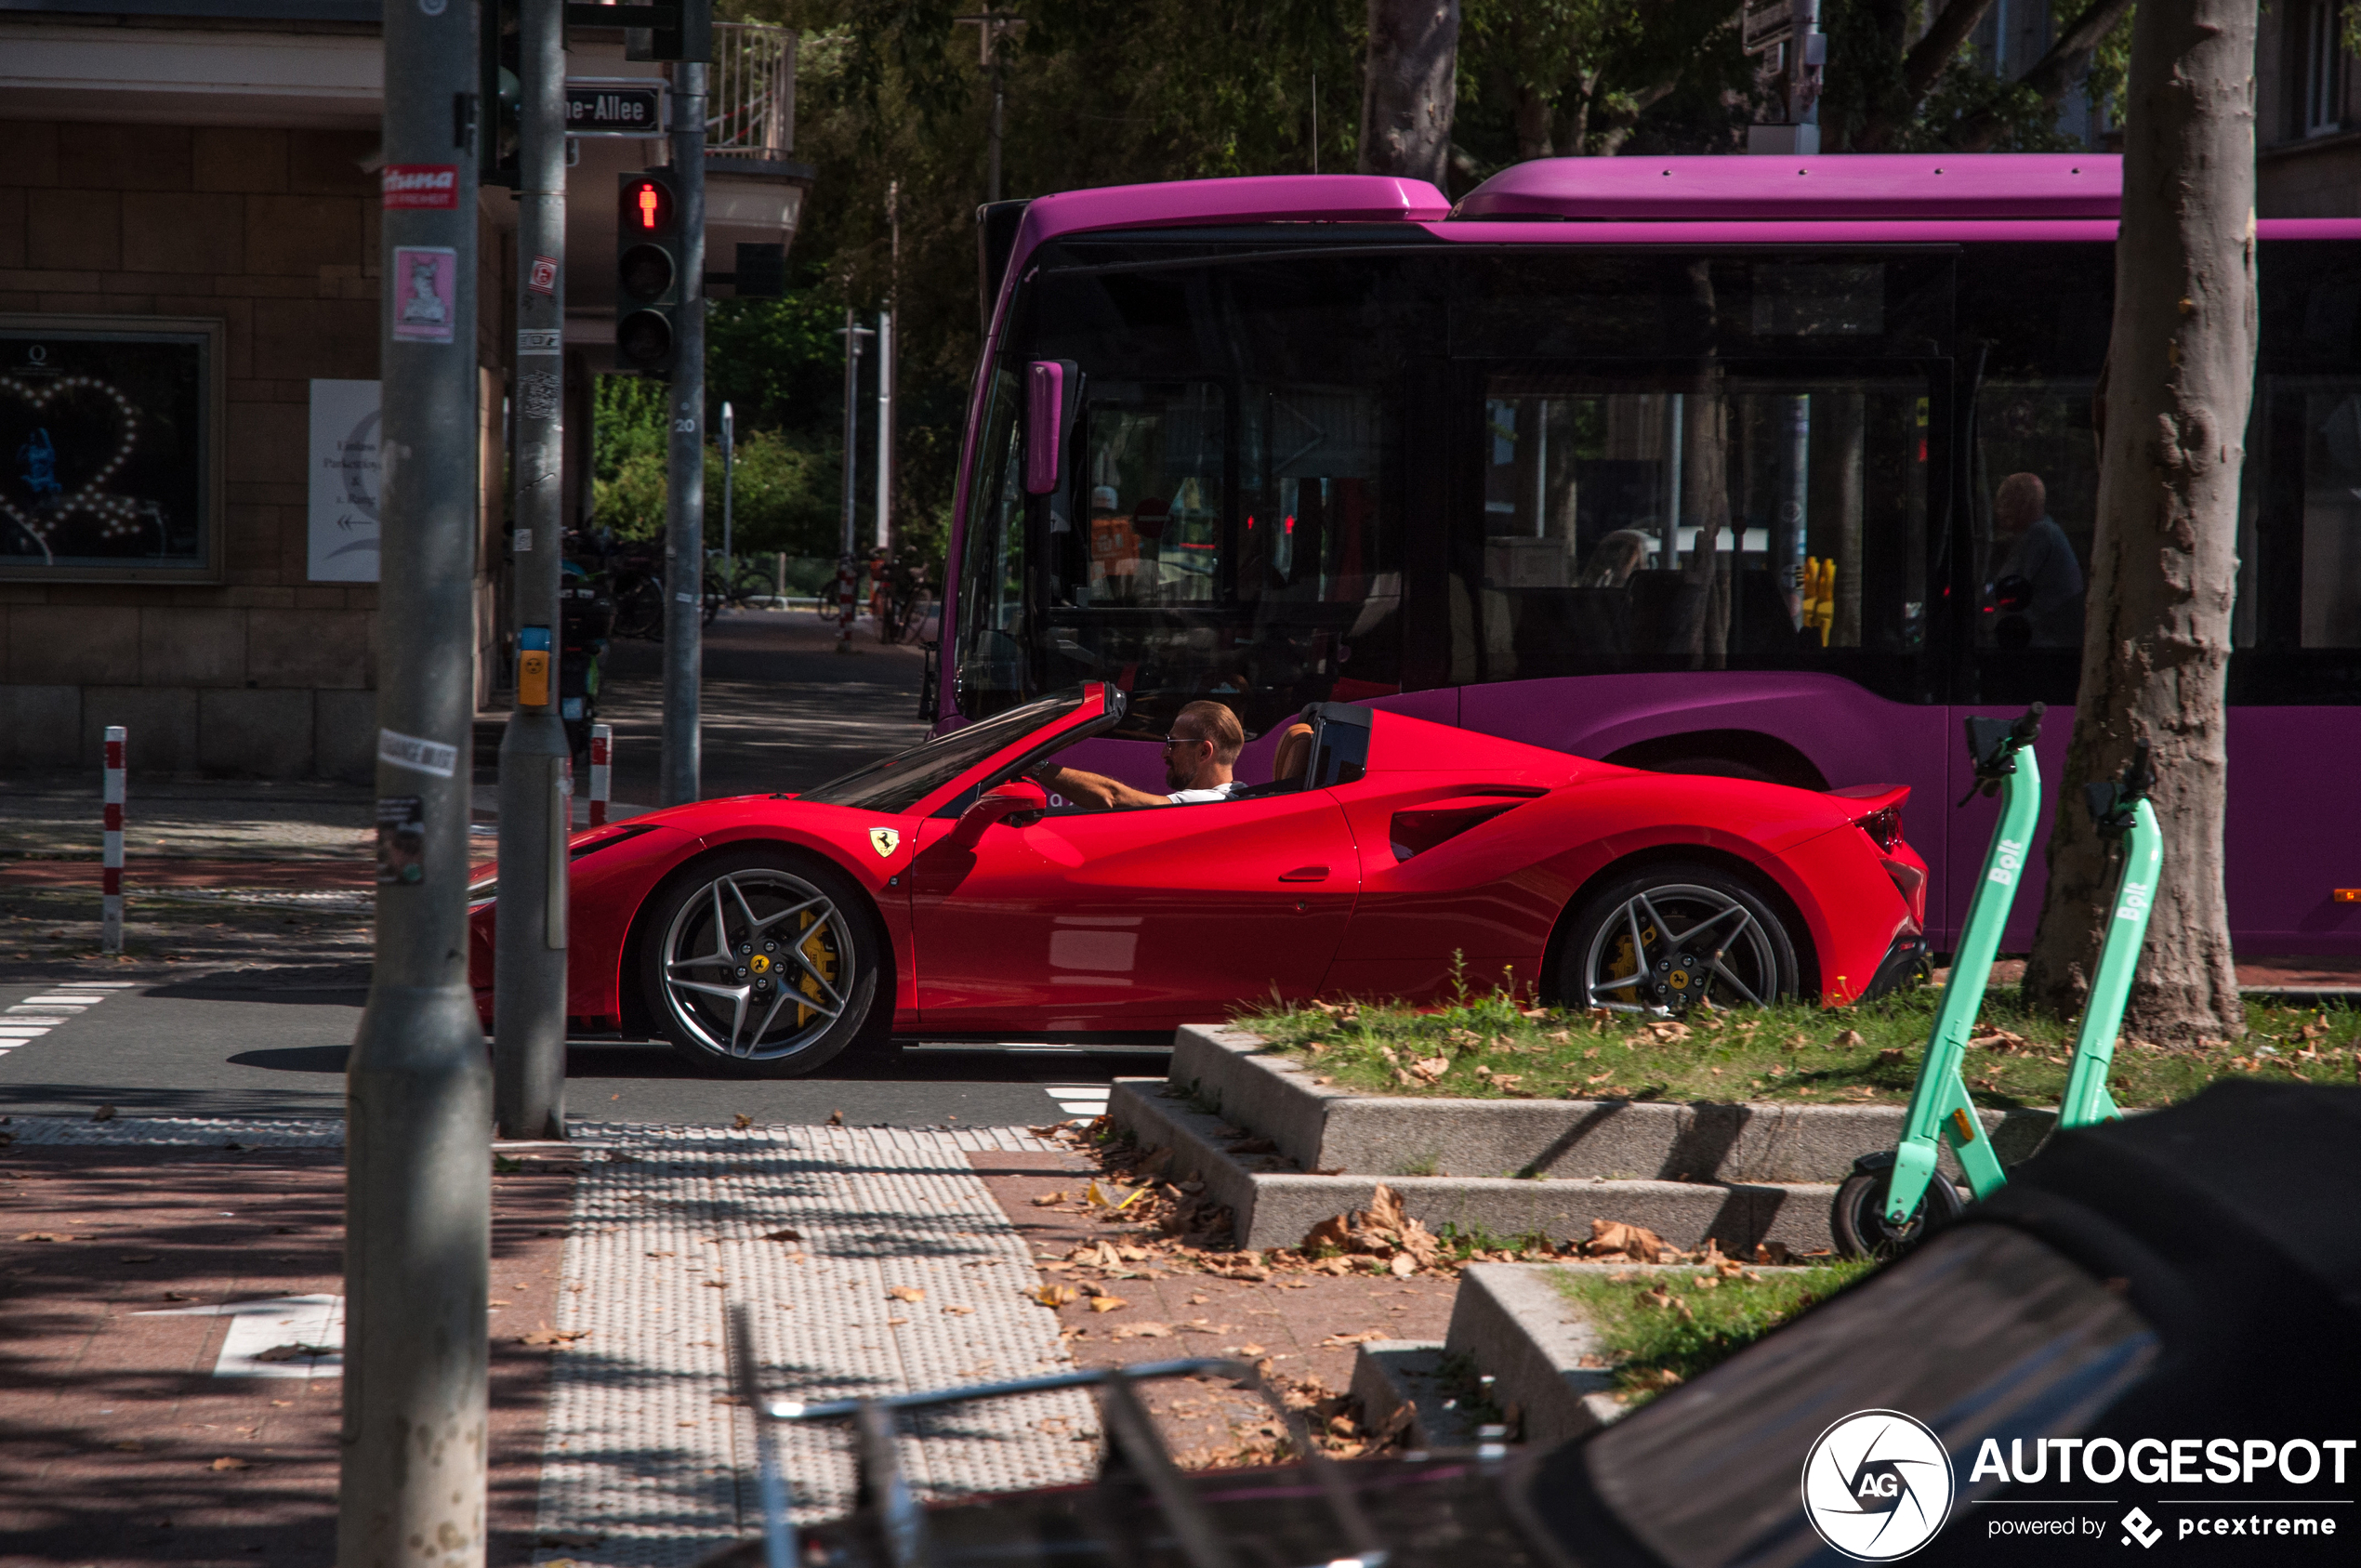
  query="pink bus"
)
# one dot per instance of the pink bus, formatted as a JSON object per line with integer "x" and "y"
{"x": 1763, "y": 467}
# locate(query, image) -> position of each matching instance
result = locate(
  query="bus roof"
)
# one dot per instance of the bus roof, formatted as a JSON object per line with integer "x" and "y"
{"x": 1900, "y": 185}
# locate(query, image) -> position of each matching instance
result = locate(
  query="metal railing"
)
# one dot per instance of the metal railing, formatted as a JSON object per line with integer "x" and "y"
{"x": 750, "y": 90}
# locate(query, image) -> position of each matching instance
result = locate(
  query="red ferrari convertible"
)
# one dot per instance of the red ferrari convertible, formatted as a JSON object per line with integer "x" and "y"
{"x": 939, "y": 891}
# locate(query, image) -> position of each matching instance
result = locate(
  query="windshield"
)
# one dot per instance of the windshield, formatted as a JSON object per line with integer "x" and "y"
{"x": 900, "y": 782}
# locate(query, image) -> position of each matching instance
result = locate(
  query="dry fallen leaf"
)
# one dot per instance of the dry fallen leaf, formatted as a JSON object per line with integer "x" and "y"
{"x": 1054, "y": 1296}
{"x": 295, "y": 1353}
{"x": 1105, "y": 1303}
{"x": 227, "y": 1463}
{"x": 1609, "y": 1237}
{"x": 106, "y": 1113}
{"x": 741, "y": 1121}
{"x": 907, "y": 1292}
{"x": 789, "y": 1234}
{"x": 1850, "y": 1039}
{"x": 43, "y": 1236}
{"x": 1046, "y": 1199}
{"x": 836, "y": 1118}
{"x": 1403, "y": 1265}
{"x": 544, "y": 1335}
{"x": 959, "y": 1311}
{"x": 1143, "y": 1331}
{"x": 1340, "y": 1341}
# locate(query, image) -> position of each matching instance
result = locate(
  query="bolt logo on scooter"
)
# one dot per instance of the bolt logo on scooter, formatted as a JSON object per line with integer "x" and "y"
{"x": 1892, "y": 1197}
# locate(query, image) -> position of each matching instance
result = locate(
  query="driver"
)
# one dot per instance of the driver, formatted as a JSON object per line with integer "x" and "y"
{"x": 1198, "y": 756}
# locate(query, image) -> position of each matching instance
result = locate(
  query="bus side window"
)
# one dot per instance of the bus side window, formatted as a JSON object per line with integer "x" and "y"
{"x": 1744, "y": 519}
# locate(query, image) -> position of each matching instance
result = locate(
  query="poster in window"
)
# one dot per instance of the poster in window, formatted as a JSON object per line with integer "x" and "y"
{"x": 345, "y": 473}
{"x": 110, "y": 448}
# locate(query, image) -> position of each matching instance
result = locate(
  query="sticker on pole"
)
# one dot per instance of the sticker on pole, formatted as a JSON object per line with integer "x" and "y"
{"x": 402, "y": 838}
{"x": 543, "y": 277}
{"x": 420, "y": 187}
{"x": 409, "y": 751}
{"x": 425, "y": 294}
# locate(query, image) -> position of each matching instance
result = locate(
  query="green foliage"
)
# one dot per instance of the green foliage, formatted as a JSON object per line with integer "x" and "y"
{"x": 785, "y": 484}
{"x": 1663, "y": 1328}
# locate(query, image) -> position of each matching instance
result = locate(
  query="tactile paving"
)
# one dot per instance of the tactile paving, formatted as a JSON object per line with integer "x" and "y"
{"x": 642, "y": 1457}
{"x": 202, "y": 1132}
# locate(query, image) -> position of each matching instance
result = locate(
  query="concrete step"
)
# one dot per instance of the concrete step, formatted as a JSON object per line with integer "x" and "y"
{"x": 1319, "y": 1126}
{"x": 1275, "y": 1206}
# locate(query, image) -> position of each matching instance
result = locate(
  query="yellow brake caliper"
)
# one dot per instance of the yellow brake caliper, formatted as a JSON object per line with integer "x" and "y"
{"x": 1632, "y": 963}
{"x": 822, "y": 954}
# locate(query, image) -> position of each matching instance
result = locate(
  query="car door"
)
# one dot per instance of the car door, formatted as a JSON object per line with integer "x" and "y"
{"x": 1136, "y": 919}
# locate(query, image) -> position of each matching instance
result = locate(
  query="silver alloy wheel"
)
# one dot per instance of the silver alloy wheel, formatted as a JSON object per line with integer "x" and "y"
{"x": 1668, "y": 948}
{"x": 758, "y": 964}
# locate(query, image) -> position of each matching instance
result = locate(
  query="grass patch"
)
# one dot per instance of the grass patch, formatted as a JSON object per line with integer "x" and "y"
{"x": 1863, "y": 1055}
{"x": 1663, "y": 1329}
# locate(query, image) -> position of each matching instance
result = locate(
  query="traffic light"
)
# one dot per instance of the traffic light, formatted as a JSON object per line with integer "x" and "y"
{"x": 649, "y": 271}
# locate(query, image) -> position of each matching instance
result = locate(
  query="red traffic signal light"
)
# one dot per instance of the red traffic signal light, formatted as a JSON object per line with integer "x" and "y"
{"x": 648, "y": 208}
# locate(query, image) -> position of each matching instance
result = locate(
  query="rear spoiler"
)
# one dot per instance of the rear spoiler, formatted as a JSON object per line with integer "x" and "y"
{"x": 1874, "y": 798}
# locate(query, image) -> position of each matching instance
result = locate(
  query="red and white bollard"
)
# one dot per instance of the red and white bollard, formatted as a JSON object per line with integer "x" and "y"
{"x": 110, "y": 878}
{"x": 602, "y": 756}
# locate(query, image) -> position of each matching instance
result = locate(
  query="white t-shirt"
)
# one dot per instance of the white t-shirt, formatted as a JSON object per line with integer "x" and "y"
{"x": 1199, "y": 797}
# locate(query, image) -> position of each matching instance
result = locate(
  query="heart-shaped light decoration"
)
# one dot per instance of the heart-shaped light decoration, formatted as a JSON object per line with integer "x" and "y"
{"x": 118, "y": 515}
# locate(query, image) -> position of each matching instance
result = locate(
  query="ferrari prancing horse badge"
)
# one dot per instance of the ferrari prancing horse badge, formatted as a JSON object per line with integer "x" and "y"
{"x": 883, "y": 840}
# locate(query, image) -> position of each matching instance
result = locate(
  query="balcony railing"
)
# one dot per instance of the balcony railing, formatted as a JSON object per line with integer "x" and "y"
{"x": 750, "y": 91}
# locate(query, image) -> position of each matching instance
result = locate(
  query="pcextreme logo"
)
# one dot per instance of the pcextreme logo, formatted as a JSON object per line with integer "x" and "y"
{"x": 1877, "y": 1486}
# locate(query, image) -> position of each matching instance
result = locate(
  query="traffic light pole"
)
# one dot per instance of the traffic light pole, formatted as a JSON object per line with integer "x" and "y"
{"x": 684, "y": 495}
{"x": 419, "y": 1085}
{"x": 536, "y": 761}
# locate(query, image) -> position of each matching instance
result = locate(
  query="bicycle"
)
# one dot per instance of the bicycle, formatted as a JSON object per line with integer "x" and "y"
{"x": 1894, "y": 1197}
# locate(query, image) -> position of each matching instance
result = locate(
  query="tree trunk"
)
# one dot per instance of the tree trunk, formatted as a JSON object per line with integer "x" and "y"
{"x": 1408, "y": 91}
{"x": 2172, "y": 418}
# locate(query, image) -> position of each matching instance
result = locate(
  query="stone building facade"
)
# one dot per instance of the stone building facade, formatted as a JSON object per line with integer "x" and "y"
{"x": 215, "y": 165}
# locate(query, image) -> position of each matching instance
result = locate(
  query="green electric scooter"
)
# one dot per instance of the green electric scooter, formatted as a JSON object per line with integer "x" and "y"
{"x": 1892, "y": 1197}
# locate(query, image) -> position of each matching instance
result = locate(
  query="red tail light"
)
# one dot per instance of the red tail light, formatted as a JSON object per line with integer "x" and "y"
{"x": 1884, "y": 828}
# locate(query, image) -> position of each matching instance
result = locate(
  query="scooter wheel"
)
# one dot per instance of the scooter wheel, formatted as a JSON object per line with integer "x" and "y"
{"x": 1858, "y": 1218}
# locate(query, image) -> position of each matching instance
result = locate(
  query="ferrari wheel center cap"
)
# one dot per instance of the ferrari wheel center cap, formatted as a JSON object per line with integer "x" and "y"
{"x": 761, "y": 964}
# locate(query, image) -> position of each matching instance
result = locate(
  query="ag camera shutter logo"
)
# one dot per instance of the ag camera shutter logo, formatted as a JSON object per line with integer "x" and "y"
{"x": 1877, "y": 1486}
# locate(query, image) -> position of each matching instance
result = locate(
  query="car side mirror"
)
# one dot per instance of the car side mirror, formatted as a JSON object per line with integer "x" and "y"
{"x": 1015, "y": 798}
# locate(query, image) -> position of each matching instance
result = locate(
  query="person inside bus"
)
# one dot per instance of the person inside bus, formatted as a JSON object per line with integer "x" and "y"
{"x": 2039, "y": 577}
{"x": 1615, "y": 558}
{"x": 1199, "y": 754}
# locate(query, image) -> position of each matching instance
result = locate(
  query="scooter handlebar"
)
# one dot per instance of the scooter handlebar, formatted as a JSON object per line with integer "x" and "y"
{"x": 1993, "y": 743}
{"x": 2111, "y": 799}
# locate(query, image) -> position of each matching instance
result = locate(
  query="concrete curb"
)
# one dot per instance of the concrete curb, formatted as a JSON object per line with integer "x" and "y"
{"x": 1511, "y": 1322}
{"x": 1321, "y": 1127}
{"x": 1275, "y": 1207}
{"x": 1388, "y": 1374}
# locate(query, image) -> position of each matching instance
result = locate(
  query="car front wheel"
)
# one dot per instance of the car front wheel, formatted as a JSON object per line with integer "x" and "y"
{"x": 762, "y": 964}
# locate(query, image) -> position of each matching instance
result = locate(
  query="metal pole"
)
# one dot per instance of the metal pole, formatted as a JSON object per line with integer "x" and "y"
{"x": 853, "y": 334}
{"x": 992, "y": 42}
{"x": 111, "y": 841}
{"x": 536, "y": 758}
{"x": 728, "y": 461}
{"x": 885, "y": 429}
{"x": 418, "y": 1084}
{"x": 685, "y": 496}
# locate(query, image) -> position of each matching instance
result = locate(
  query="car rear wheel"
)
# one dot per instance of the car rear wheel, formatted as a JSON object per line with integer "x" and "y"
{"x": 1669, "y": 937}
{"x": 763, "y": 964}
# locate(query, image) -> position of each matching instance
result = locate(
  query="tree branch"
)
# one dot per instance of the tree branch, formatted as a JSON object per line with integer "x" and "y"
{"x": 1945, "y": 35}
{"x": 1921, "y": 68}
{"x": 2051, "y": 74}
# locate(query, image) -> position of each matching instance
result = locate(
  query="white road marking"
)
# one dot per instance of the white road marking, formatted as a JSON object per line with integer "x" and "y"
{"x": 257, "y": 1326}
{"x": 1080, "y": 1099}
{"x": 36, "y": 1016}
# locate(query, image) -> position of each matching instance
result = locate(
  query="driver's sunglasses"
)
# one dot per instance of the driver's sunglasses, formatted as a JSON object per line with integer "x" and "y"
{"x": 1171, "y": 741}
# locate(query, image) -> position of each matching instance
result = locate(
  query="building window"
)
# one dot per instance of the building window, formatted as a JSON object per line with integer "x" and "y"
{"x": 110, "y": 448}
{"x": 2320, "y": 67}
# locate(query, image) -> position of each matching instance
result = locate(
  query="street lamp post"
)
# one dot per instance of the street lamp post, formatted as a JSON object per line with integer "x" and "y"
{"x": 536, "y": 758}
{"x": 852, "y": 333}
{"x": 992, "y": 26}
{"x": 418, "y": 1081}
{"x": 729, "y": 460}
{"x": 684, "y": 493}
